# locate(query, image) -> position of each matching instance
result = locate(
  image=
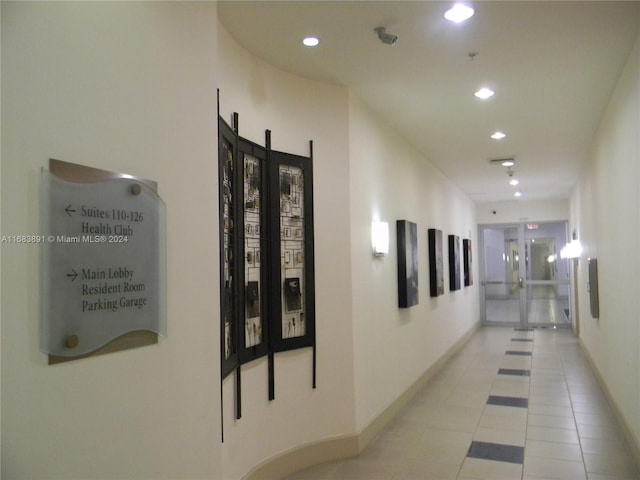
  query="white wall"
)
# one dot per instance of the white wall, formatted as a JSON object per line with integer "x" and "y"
{"x": 604, "y": 209}
{"x": 296, "y": 111}
{"x": 131, "y": 87}
{"x": 127, "y": 87}
{"x": 391, "y": 181}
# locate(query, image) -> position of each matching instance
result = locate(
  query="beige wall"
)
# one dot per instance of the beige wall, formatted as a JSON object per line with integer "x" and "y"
{"x": 369, "y": 350}
{"x": 391, "y": 181}
{"x": 127, "y": 87}
{"x": 604, "y": 212}
{"x": 131, "y": 87}
{"x": 296, "y": 111}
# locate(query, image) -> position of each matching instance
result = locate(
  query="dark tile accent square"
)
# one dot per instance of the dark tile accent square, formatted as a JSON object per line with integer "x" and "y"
{"x": 508, "y": 401}
{"x": 522, "y": 339}
{"x": 496, "y": 451}
{"x": 513, "y": 371}
{"x": 518, "y": 352}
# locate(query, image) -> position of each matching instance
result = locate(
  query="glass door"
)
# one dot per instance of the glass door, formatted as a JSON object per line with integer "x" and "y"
{"x": 523, "y": 279}
{"x": 546, "y": 275}
{"x": 500, "y": 276}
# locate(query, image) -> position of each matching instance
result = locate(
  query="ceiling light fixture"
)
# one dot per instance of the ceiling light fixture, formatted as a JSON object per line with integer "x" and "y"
{"x": 498, "y": 135}
{"x": 517, "y": 194}
{"x": 504, "y": 161}
{"x": 513, "y": 181}
{"x": 311, "y": 41}
{"x": 484, "y": 93}
{"x": 459, "y": 13}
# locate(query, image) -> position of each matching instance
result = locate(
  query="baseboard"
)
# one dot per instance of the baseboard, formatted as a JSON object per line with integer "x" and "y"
{"x": 376, "y": 425}
{"x": 304, "y": 456}
{"x": 347, "y": 446}
{"x": 634, "y": 446}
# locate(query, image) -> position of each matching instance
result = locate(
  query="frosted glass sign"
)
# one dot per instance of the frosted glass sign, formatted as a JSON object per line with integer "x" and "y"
{"x": 103, "y": 262}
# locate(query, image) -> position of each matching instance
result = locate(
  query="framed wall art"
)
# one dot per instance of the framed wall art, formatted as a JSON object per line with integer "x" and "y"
{"x": 267, "y": 288}
{"x": 454, "y": 262}
{"x": 229, "y": 268}
{"x": 291, "y": 242}
{"x": 254, "y": 327}
{"x": 467, "y": 262}
{"x": 436, "y": 263}
{"x": 407, "y": 236}
{"x": 592, "y": 287}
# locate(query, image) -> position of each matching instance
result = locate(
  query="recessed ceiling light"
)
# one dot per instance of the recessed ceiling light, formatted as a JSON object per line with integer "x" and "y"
{"x": 484, "y": 93}
{"x": 513, "y": 182}
{"x": 498, "y": 135}
{"x": 504, "y": 161}
{"x": 517, "y": 194}
{"x": 459, "y": 13}
{"x": 311, "y": 41}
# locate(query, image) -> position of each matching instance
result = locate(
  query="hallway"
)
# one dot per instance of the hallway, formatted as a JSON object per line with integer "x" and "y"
{"x": 512, "y": 404}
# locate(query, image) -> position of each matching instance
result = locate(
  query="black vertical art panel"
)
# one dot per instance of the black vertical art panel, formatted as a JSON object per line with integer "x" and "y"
{"x": 454, "y": 262}
{"x": 228, "y": 191}
{"x": 594, "y": 302}
{"x": 267, "y": 285}
{"x": 407, "y": 236}
{"x": 253, "y": 329}
{"x": 468, "y": 263}
{"x": 436, "y": 263}
{"x": 291, "y": 243}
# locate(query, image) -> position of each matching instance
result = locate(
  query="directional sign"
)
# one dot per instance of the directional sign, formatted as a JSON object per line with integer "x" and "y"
{"x": 103, "y": 262}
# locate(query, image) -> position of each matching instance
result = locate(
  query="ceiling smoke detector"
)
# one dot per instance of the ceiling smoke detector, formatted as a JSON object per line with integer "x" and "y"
{"x": 384, "y": 37}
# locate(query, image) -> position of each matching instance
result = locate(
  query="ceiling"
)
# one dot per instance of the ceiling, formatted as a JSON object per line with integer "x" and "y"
{"x": 553, "y": 66}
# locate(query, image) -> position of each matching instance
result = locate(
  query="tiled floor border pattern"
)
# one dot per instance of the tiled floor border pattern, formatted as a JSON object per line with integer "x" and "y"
{"x": 531, "y": 411}
{"x": 500, "y": 452}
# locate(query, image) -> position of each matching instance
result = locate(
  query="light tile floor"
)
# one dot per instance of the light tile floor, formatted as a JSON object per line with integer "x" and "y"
{"x": 561, "y": 426}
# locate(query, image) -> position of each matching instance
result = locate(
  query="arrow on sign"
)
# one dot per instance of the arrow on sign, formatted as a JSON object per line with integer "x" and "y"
{"x": 69, "y": 210}
{"x": 72, "y": 275}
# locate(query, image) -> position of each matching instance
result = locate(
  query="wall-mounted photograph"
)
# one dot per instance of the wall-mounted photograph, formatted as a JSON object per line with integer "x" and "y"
{"x": 436, "y": 263}
{"x": 594, "y": 302}
{"x": 468, "y": 262}
{"x": 454, "y": 262}
{"x": 407, "y": 263}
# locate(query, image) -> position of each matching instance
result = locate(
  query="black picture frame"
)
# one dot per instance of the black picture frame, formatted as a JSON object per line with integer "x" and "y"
{"x": 266, "y": 254}
{"x": 253, "y": 330}
{"x": 291, "y": 249}
{"x": 229, "y": 265}
{"x": 454, "y": 263}
{"x": 592, "y": 287}
{"x": 407, "y": 242}
{"x": 467, "y": 262}
{"x": 436, "y": 263}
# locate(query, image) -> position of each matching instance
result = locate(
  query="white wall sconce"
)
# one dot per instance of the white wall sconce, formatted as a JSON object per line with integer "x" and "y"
{"x": 571, "y": 250}
{"x": 380, "y": 238}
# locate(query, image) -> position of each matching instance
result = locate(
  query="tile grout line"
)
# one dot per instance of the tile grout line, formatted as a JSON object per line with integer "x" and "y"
{"x": 475, "y": 429}
{"x": 573, "y": 413}
{"x": 496, "y": 377}
{"x": 468, "y": 367}
{"x": 526, "y": 426}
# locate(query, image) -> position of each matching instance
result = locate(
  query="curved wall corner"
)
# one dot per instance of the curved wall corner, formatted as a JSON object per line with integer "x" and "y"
{"x": 300, "y": 419}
